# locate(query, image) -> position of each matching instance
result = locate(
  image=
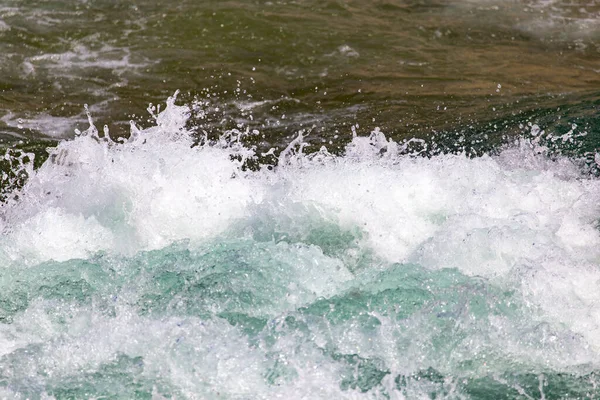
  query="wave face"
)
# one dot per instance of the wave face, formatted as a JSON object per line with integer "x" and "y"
{"x": 159, "y": 268}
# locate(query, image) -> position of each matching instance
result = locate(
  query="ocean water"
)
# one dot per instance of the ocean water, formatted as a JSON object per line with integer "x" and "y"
{"x": 346, "y": 200}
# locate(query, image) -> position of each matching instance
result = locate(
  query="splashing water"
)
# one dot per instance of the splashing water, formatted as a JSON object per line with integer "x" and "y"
{"x": 159, "y": 267}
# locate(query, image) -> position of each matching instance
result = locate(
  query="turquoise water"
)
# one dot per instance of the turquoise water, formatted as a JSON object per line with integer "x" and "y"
{"x": 362, "y": 200}
{"x": 158, "y": 268}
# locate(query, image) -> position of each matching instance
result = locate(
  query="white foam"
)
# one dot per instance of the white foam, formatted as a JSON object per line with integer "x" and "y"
{"x": 54, "y": 234}
{"x": 346, "y": 51}
{"x": 198, "y": 358}
{"x": 576, "y": 22}
{"x": 147, "y": 193}
{"x": 519, "y": 219}
{"x": 84, "y": 56}
{"x": 57, "y": 127}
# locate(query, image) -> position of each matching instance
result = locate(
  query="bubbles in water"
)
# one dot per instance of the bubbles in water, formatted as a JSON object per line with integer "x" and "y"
{"x": 379, "y": 273}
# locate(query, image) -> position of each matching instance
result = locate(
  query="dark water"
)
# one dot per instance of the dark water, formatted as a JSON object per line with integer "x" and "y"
{"x": 444, "y": 244}
{"x": 408, "y": 67}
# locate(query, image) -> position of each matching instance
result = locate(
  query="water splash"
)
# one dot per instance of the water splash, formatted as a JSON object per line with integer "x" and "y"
{"x": 379, "y": 273}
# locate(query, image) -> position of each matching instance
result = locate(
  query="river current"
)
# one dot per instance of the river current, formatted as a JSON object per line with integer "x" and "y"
{"x": 300, "y": 200}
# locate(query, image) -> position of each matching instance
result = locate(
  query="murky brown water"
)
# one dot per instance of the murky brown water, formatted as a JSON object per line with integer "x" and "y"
{"x": 410, "y": 67}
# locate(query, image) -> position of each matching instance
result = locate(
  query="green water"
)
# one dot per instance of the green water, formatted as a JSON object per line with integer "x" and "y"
{"x": 456, "y": 257}
{"x": 409, "y": 67}
{"x": 443, "y": 316}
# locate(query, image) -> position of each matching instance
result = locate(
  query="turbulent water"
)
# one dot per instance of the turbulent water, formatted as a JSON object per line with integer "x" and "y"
{"x": 444, "y": 243}
{"x": 156, "y": 268}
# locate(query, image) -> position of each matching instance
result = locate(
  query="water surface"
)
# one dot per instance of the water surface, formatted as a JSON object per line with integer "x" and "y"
{"x": 362, "y": 200}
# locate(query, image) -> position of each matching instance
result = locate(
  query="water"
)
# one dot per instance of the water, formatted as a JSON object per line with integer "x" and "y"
{"x": 408, "y": 67}
{"x": 380, "y": 200}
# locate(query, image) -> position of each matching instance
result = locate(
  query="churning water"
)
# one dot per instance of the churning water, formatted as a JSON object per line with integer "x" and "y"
{"x": 219, "y": 251}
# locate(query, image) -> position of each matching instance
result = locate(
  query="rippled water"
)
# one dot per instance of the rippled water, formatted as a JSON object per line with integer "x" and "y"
{"x": 409, "y": 67}
{"x": 382, "y": 200}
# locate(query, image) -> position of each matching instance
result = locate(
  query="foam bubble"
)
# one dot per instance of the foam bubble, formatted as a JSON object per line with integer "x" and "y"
{"x": 54, "y": 234}
{"x": 82, "y": 56}
{"x": 500, "y": 252}
{"x": 52, "y": 126}
{"x": 147, "y": 193}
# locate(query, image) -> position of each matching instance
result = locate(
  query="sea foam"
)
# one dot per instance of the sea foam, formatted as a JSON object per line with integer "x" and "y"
{"x": 519, "y": 220}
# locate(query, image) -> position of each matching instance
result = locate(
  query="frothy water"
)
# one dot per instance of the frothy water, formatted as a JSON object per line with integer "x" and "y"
{"x": 162, "y": 267}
